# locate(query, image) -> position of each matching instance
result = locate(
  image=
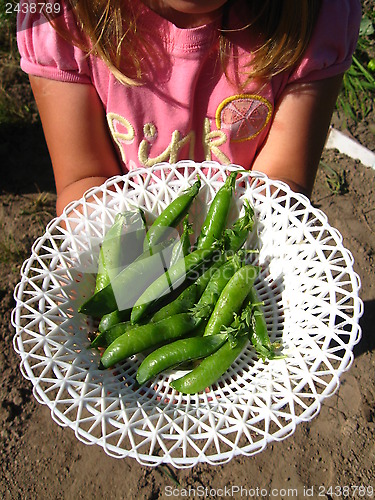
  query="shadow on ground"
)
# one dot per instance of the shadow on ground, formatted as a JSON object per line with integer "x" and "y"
{"x": 367, "y": 343}
{"x": 24, "y": 158}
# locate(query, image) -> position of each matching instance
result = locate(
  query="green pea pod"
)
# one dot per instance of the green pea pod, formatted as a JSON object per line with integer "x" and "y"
{"x": 215, "y": 222}
{"x": 259, "y": 336}
{"x": 102, "y": 276}
{"x": 112, "y": 319}
{"x": 142, "y": 337}
{"x": 182, "y": 303}
{"x": 206, "y": 304}
{"x": 113, "y": 235}
{"x": 214, "y": 366}
{"x": 216, "y": 285}
{"x": 231, "y": 299}
{"x": 182, "y": 247}
{"x": 171, "y": 279}
{"x": 236, "y": 236}
{"x": 190, "y": 295}
{"x": 110, "y": 251}
{"x": 171, "y": 216}
{"x": 105, "y": 338}
{"x": 178, "y": 352}
{"x": 130, "y": 283}
{"x": 210, "y": 369}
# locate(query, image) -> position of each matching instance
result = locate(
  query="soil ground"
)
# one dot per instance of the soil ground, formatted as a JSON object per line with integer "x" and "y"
{"x": 41, "y": 460}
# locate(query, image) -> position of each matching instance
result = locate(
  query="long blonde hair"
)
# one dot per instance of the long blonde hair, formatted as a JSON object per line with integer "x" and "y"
{"x": 113, "y": 34}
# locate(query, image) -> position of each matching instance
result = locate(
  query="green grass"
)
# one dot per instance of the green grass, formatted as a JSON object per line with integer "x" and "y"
{"x": 8, "y": 44}
{"x": 9, "y": 250}
{"x": 41, "y": 204}
{"x": 358, "y": 89}
{"x": 335, "y": 180}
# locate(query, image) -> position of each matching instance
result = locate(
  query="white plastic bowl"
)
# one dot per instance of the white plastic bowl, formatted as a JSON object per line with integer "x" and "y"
{"x": 311, "y": 304}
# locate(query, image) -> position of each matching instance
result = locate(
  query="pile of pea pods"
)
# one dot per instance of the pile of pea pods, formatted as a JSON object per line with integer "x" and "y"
{"x": 199, "y": 309}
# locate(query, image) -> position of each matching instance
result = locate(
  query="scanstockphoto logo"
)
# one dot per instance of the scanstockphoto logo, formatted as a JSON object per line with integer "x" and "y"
{"x": 31, "y": 13}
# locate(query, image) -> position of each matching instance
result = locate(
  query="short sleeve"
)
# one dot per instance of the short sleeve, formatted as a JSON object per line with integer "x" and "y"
{"x": 45, "y": 53}
{"x": 333, "y": 41}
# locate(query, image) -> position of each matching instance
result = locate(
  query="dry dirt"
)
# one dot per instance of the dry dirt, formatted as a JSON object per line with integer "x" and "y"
{"x": 40, "y": 459}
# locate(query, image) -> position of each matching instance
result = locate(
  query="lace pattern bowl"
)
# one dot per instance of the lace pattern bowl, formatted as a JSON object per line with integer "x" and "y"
{"x": 311, "y": 303}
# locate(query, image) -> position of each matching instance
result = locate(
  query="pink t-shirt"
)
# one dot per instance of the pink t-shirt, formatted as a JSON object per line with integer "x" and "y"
{"x": 189, "y": 109}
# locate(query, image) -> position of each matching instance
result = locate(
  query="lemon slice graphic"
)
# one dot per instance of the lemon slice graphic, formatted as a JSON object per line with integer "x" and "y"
{"x": 245, "y": 116}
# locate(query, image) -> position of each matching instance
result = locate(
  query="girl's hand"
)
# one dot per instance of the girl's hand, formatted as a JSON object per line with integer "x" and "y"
{"x": 298, "y": 133}
{"x": 77, "y": 137}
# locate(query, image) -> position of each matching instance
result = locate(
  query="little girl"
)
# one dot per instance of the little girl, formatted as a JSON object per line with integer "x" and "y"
{"x": 122, "y": 84}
